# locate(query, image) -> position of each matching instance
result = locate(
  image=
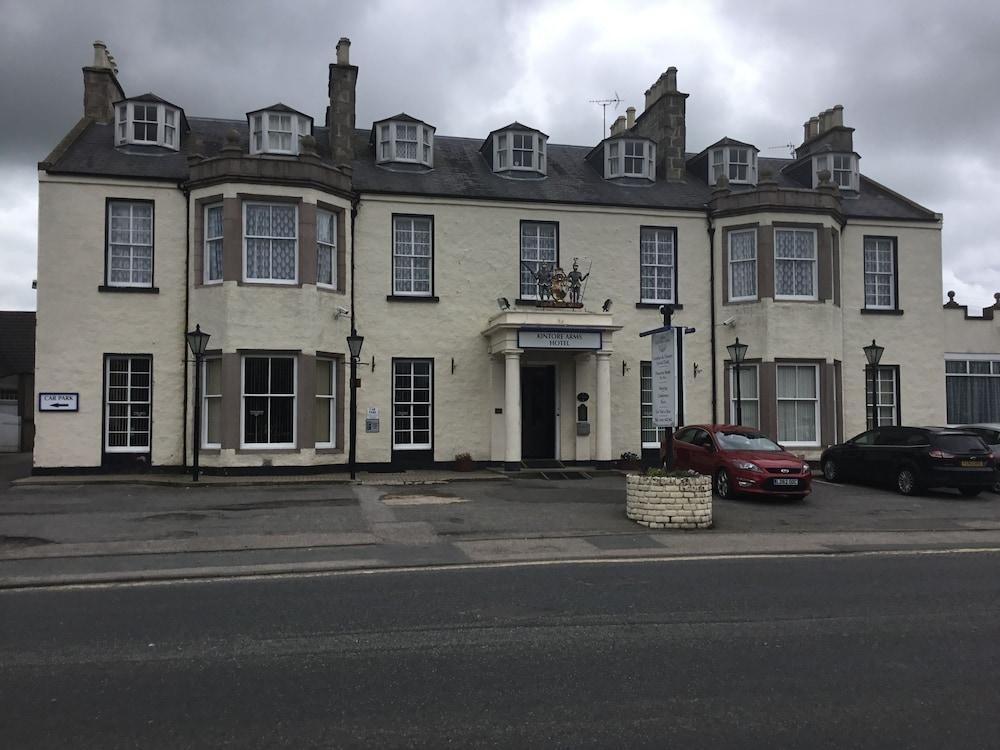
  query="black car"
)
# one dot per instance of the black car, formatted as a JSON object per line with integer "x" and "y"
{"x": 913, "y": 458}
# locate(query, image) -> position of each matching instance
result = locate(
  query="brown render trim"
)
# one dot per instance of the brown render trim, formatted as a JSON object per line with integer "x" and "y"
{"x": 232, "y": 239}
{"x": 767, "y": 388}
{"x": 305, "y": 403}
{"x": 198, "y": 238}
{"x": 835, "y": 259}
{"x": 231, "y": 397}
{"x": 724, "y": 255}
{"x": 765, "y": 261}
{"x": 838, "y": 387}
{"x": 307, "y": 243}
{"x": 827, "y": 404}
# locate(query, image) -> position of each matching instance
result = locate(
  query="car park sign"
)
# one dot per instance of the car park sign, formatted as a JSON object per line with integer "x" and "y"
{"x": 58, "y": 402}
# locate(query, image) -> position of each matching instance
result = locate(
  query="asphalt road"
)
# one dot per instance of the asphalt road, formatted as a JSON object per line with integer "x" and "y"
{"x": 805, "y": 652}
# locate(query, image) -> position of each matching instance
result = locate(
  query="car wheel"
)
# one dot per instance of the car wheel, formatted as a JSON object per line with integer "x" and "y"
{"x": 996, "y": 487}
{"x": 830, "y": 471}
{"x": 723, "y": 488}
{"x": 969, "y": 491}
{"x": 906, "y": 481}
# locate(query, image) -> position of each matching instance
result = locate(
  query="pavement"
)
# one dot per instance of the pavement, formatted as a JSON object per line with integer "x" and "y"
{"x": 73, "y": 532}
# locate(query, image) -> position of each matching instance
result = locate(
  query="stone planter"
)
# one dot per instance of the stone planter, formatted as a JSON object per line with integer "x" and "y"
{"x": 669, "y": 502}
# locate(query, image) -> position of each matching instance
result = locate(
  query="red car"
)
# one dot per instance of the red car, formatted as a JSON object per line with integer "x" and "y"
{"x": 741, "y": 459}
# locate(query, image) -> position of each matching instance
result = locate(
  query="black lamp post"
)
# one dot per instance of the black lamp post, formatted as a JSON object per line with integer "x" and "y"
{"x": 354, "y": 342}
{"x": 873, "y": 353}
{"x": 197, "y": 341}
{"x": 737, "y": 353}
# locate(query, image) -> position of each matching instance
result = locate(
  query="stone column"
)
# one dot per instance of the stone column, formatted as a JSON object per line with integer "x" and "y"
{"x": 512, "y": 409}
{"x": 603, "y": 448}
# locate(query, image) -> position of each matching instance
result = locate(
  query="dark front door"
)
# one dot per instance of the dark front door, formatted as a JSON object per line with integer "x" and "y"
{"x": 538, "y": 412}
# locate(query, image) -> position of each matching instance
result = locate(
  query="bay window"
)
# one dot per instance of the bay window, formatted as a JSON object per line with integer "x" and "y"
{"x": 278, "y": 131}
{"x": 213, "y": 243}
{"x": 749, "y": 396}
{"x": 519, "y": 150}
{"x": 148, "y": 121}
{"x": 630, "y": 158}
{"x": 738, "y": 163}
{"x": 326, "y": 248}
{"x": 795, "y": 264}
{"x": 743, "y": 265}
{"x": 270, "y": 242}
{"x": 268, "y": 413}
{"x": 404, "y": 140}
{"x": 798, "y": 404}
{"x": 843, "y": 169}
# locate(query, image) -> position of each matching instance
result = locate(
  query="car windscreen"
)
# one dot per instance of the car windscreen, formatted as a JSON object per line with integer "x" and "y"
{"x": 745, "y": 441}
{"x": 958, "y": 443}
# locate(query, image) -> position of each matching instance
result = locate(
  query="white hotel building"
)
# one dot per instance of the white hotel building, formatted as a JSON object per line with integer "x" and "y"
{"x": 277, "y": 232}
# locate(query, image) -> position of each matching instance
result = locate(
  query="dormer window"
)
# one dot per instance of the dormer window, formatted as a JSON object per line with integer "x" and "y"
{"x": 405, "y": 139}
{"x": 737, "y": 163}
{"x": 147, "y": 121}
{"x": 518, "y": 149}
{"x": 629, "y": 158}
{"x": 843, "y": 170}
{"x": 277, "y": 130}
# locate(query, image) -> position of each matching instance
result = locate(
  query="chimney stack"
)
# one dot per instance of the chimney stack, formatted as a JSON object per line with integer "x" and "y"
{"x": 630, "y": 117}
{"x": 663, "y": 121}
{"x": 100, "y": 86}
{"x": 340, "y": 115}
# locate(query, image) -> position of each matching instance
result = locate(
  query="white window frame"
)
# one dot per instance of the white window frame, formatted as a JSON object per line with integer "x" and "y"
{"x": 270, "y": 279}
{"x": 826, "y": 160}
{"x": 389, "y": 141}
{"x": 616, "y": 157}
{"x": 148, "y": 403}
{"x": 412, "y": 291}
{"x": 721, "y": 161}
{"x": 330, "y": 247}
{"x": 729, "y": 259}
{"x": 883, "y": 374}
{"x": 430, "y": 404}
{"x": 206, "y": 398}
{"x": 966, "y": 358}
{"x": 503, "y": 151}
{"x": 778, "y": 399}
{"x": 131, "y": 244}
{"x": 329, "y": 402}
{"x": 262, "y": 128}
{"x": 207, "y": 240}
{"x": 878, "y": 246}
{"x": 537, "y": 261}
{"x": 268, "y": 395}
{"x": 125, "y": 116}
{"x": 646, "y": 405}
{"x": 653, "y": 268}
{"x": 815, "y": 264}
{"x": 744, "y": 399}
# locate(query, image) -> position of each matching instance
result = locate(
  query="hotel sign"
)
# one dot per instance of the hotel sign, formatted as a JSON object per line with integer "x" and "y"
{"x": 664, "y": 380}
{"x": 534, "y": 338}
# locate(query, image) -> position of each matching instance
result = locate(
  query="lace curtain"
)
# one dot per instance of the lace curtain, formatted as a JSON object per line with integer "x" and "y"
{"x": 794, "y": 263}
{"x": 743, "y": 264}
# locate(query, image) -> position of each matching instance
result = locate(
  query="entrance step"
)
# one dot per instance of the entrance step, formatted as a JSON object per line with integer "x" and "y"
{"x": 542, "y": 463}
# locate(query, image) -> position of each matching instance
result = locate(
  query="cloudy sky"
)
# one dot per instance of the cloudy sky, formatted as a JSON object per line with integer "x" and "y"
{"x": 918, "y": 80}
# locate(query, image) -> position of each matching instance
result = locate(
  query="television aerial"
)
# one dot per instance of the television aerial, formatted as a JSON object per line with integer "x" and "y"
{"x": 604, "y": 111}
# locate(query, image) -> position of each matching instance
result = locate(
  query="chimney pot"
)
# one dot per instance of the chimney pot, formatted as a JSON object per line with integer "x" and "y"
{"x": 671, "y": 83}
{"x": 630, "y": 117}
{"x": 805, "y": 131}
{"x": 618, "y": 125}
{"x": 837, "y": 116}
{"x": 100, "y": 54}
{"x": 344, "y": 51}
{"x": 813, "y": 127}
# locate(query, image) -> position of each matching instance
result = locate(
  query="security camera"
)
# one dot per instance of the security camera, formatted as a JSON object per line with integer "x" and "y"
{"x": 341, "y": 311}
{"x": 729, "y": 321}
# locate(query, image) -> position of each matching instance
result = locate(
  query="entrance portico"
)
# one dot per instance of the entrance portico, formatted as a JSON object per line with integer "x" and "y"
{"x": 530, "y": 350}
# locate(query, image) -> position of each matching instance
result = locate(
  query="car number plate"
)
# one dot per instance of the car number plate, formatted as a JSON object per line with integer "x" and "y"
{"x": 976, "y": 464}
{"x": 787, "y": 482}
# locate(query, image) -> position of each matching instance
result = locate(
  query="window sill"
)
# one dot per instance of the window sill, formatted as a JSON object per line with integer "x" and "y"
{"x": 129, "y": 289}
{"x": 657, "y": 305}
{"x": 328, "y": 288}
{"x": 412, "y": 298}
{"x": 251, "y": 449}
{"x": 880, "y": 311}
{"x": 278, "y": 284}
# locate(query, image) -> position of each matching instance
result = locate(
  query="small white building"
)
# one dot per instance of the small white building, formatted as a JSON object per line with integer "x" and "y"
{"x": 278, "y": 235}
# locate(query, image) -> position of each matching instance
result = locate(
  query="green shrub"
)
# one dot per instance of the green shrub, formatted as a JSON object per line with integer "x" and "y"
{"x": 671, "y": 473}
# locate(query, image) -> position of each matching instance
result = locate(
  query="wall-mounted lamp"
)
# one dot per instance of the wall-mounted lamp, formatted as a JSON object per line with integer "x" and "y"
{"x": 607, "y": 305}
{"x": 625, "y": 368}
{"x": 452, "y": 365}
{"x": 503, "y": 303}
{"x": 697, "y": 369}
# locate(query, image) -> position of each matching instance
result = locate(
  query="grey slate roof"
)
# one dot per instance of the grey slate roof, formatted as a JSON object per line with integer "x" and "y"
{"x": 460, "y": 171}
{"x": 17, "y": 342}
